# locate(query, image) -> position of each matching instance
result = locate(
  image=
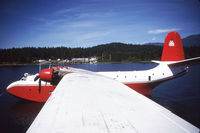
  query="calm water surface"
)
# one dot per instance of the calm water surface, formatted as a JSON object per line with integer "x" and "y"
{"x": 180, "y": 95}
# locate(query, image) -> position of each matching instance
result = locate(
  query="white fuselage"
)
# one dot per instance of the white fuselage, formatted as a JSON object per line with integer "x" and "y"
{"x": 162, "y": 71}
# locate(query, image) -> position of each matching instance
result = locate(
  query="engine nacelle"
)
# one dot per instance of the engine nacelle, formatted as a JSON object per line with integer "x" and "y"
{"x": 46, "y": 75}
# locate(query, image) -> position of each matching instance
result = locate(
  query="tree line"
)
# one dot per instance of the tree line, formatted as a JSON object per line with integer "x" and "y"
{"x": 116, "y": 52}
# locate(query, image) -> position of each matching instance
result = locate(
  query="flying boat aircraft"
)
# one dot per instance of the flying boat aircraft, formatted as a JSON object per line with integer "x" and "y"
{"x": 172, "y": 65}
{"x": 102, "y": 102}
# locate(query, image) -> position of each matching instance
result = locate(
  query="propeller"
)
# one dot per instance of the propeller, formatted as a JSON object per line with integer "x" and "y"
{"x": 44, "y": 75}
{"x": 48, "y": 75}
{"x": 35, "y": 79}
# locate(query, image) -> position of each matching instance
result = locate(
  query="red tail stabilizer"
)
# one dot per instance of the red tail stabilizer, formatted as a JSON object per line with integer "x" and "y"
{"x": 173, "y": 48}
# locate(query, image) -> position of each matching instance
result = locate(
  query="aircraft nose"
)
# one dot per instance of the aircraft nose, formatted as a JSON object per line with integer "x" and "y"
{"x": 10, "y": 89}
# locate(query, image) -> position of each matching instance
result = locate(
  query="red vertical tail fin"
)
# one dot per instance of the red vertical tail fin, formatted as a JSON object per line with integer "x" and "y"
{"x": 173, "y": 48}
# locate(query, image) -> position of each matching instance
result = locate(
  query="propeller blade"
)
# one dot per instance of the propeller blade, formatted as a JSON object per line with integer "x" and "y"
{"x": 36, "y": 77}
{"x": 39, "y": 89}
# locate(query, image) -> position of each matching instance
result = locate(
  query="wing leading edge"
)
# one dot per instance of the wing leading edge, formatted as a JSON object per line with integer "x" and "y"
{"x": 84, "y": 102}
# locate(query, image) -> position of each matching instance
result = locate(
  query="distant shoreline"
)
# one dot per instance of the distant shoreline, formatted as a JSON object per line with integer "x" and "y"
{"x": 17, "y": 65}
{"x": 32, "y": 64}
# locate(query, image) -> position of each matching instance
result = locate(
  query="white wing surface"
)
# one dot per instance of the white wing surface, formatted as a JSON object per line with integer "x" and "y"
{"x": 89, "y": 103}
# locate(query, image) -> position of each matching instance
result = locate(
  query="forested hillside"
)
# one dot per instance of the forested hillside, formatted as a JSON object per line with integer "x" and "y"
{"x": 107, "y": 52}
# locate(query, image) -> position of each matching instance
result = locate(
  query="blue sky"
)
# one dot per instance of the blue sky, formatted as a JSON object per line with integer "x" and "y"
{"x": 85, "y": 23}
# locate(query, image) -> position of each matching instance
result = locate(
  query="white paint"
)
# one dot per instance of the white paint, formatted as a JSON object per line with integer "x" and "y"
{"x": 85, "y": 102}
{"x": 160, "y": 72}
{"x": 171, "y": 43}
{"x": 28, "y": 81}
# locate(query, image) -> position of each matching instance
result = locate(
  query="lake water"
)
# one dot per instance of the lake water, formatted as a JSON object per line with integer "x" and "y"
{"x": 180, "y": 95}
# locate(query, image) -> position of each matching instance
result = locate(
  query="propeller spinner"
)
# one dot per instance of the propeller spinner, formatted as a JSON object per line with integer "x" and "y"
{"x": 46, "y": 75}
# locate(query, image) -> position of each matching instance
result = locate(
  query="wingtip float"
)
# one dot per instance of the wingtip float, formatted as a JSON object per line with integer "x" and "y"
{"x": 34, "y": 88}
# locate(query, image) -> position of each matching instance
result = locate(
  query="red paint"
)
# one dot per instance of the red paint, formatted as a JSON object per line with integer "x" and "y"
{"x": 173, "y": 52}
{"x": 31, "y": 92}
{"x": 46, "y": 75}
{"x": 142, "y": 88}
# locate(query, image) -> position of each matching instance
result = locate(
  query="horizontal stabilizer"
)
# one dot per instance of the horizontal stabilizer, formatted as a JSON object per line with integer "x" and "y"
{"x": 188, "y": 62}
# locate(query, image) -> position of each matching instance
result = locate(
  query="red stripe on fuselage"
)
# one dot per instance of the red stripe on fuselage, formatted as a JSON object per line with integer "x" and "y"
{"x": 32, "y": 92}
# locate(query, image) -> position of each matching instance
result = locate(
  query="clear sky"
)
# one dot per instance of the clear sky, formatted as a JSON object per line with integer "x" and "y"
{"x": 85, "y": 23}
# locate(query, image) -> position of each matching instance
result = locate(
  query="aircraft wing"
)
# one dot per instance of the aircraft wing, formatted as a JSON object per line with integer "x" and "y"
{"x": 89, "y": 103}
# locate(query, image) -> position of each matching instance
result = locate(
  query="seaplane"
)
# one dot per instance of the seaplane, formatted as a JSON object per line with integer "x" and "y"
{"x": 79, "y": 100}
